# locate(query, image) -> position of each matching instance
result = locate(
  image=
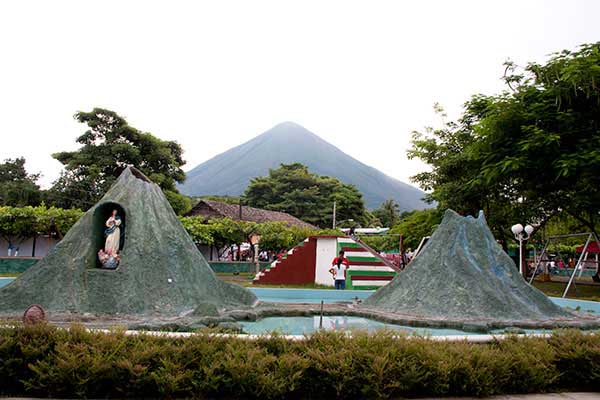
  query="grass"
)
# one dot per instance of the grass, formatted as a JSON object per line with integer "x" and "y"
{"x": 307, "y": 286}
{"x": 48, "y": 362}
{"x": 579, "y": 292}
{"x": 245, "y": 279}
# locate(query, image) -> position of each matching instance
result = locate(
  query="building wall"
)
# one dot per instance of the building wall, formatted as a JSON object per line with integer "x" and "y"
{"x": 43, "y": 245}
{"x": 326, "y": 252}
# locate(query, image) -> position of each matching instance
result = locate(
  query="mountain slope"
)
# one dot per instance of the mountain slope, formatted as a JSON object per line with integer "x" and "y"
{"x": 230, "y": 172}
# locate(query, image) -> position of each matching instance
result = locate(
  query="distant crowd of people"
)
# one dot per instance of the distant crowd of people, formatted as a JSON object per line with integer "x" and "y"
{"x": 248, "y": 255}
{"x": 551, "y": 266}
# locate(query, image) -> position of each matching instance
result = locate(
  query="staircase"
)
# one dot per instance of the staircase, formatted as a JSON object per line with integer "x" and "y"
{"x": 376, "y": 254}
{"x": 297, "y": 267}
{"x": 368, "y": 270}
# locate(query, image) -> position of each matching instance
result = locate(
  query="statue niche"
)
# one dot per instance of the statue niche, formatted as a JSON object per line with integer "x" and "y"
{"x": 109, "y": 234}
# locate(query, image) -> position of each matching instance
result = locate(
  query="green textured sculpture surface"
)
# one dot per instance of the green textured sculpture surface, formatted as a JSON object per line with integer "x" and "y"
{"x": 161, "y": 271}
{"x": 462, "y": 272}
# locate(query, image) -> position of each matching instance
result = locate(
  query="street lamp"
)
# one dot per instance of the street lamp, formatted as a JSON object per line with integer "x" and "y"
{"x": 517, "y": 230}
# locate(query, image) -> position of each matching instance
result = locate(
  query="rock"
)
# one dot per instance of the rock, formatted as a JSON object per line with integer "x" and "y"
{"x": 196, "y": 326}
{"x": 462, "y": 273}
{"x": 160, "y": 271}
{"x": 514, "y": 330}
{"x": 478, "y": 327}
{"x": 208, "y": 309}
{"x": 240, "y": 315}
{"x": 230, "y": 327}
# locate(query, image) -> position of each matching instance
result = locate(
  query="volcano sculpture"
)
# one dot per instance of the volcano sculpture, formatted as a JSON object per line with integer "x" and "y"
{"x": 156, "y": 268}
{"x": 462, "y": 273}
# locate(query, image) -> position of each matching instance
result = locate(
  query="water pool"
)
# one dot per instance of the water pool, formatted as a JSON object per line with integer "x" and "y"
{"x": 281, "y": 295}
{"x": 308, "y": 325}
{"x": 331, "y": 296}
{"x": 5, "y": 281}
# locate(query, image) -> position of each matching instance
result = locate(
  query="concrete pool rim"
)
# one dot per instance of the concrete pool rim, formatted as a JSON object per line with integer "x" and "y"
{"x": 230, "y": 318}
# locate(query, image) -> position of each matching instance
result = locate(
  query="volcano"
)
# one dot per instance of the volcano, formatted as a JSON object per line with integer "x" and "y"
{"x": 462, "y": 273}
{"x": 160, "y": 271}
{"x": 230, "y": 172}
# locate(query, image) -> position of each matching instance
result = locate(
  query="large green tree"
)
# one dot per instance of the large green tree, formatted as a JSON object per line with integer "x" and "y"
{"x": 17, "y": 187}
{"x": 524, "y": 155}
{"x": 108, "y": 146}
{"x": 292, "y": 188}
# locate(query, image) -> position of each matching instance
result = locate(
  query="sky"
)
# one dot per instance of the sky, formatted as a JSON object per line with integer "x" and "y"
{"x": 211, "y": 75}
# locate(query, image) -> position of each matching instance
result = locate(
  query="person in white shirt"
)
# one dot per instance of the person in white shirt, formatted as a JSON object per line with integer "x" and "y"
{"x": 339, "y": 265}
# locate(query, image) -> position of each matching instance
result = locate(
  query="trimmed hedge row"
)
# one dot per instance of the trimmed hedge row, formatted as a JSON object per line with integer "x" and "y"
{"x": 46, "y": 361}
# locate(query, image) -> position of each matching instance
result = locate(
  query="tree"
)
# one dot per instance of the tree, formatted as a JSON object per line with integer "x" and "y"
{"x": 224, "y": 232}
{"x": 454, "y": 178}
{"x": 18, "y": 224}
{"x": 544, "y": 136}
{"x": 388, "y": 213}
{"x": 526, "y": 154}
{"x": 293, "y": 189}
{"x": 413, "y": 226}
{"x": 108, "y": 146}
{"x": 17, "y": 187}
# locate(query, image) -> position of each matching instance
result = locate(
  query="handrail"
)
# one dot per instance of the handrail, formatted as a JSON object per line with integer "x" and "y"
{"x": 376, "y": 254}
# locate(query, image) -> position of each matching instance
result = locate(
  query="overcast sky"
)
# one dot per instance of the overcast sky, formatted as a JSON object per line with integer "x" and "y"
{"x": 211, "y": 75}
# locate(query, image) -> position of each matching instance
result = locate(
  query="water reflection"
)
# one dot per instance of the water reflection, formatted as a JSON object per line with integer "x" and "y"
{"x": 308, "y": 325}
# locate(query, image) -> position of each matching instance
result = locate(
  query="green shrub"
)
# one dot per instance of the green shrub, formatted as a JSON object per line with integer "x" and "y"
{"x": 47, "y": 361}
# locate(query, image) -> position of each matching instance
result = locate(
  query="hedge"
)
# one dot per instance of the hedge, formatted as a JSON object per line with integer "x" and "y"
{"x": 50, "y": 362}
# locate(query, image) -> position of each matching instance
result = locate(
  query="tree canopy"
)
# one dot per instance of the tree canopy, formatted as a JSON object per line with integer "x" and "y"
{"x": 388, "y": 213}
{"x": 526, "y": 154}
{"x": 108, "y": 146}
{"x": 17, "y": 187}
{"x": 412, "y": 225}
{"x": 21, "y": 223}
{"x": 293, "y": 189}
{"x": 225, "y": 231}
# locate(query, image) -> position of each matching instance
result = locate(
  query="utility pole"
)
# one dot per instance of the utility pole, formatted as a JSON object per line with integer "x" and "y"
{"x": 334, "y": 214}
{"x": 401, "y": 250}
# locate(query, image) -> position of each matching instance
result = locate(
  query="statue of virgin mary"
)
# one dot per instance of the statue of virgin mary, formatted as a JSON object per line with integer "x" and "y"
{"x": 113, "y": 234}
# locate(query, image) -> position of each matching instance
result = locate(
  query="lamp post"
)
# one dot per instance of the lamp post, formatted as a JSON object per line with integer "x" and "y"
{"x": 517, "y": 230}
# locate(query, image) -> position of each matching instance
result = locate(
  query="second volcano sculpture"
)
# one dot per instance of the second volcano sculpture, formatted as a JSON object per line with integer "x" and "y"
{"x": 462, "y": 273}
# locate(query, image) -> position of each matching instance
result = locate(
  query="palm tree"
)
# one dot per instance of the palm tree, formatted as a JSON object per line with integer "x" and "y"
{"x": 388, "y": 213}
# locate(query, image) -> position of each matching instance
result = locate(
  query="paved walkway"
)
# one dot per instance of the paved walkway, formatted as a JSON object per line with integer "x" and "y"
{"x": 549, "y": 396}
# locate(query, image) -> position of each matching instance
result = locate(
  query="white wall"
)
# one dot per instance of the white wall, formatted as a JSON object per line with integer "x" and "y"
{"x": 326, "y": 252}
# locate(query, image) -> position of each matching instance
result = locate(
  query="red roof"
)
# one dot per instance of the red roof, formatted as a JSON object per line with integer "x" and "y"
{"x": 592, "y": 248}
